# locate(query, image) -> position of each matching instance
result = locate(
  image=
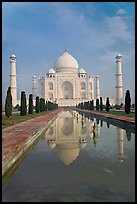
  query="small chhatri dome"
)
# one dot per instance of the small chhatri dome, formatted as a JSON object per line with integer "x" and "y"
{"x": 13, "y": 56}
{"x": 118, "y": 56}
{"x": 66, "y": 63}
{"x": 82, "y": 145}
{"x": 51, "y": 71}
{"x": 82, "y": 71}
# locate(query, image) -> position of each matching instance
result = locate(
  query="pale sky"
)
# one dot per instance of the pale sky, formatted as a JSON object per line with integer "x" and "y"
{"x": 92, "y": 32}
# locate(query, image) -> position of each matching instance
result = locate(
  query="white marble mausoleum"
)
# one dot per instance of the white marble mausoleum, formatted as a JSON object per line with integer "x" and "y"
{"x": 66, "y": 83}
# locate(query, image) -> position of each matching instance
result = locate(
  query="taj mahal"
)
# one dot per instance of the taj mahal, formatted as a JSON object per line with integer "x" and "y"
{"x": 66, "y": 83}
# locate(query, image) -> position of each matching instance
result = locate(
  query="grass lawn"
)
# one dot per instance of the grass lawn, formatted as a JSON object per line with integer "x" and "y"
{"x": 17, "y": 118}
{"x": 120, "y": 113}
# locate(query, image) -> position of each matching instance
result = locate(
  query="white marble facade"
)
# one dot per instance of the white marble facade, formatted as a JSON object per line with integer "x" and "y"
{"x": 66, "y": 83}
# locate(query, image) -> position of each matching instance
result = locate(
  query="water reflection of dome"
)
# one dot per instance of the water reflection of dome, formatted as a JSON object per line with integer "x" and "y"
{"x": 67, "y": 154}
{"x": 67, "y": 128}
{"x": 83, "y": 140}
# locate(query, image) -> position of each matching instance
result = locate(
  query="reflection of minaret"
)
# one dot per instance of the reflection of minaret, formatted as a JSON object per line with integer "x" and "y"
{"x": 34, "y": 87}
{"x": 120, "y": 140}
{"x": 13, "y": 84}
{"x": 97, "y": 87}
{"x": 119, "y": 86}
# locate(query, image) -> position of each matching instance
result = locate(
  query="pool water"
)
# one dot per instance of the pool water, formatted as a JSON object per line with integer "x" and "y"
{"x": 73, "y": 161}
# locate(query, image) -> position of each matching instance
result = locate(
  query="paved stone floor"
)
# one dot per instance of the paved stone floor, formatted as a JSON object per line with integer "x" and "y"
{"x": 16, "y": 135}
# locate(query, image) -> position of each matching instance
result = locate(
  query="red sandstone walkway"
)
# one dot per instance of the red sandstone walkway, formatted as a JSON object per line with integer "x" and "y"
{"x": 16, "y": 135}
{"x": 122, "y": 118}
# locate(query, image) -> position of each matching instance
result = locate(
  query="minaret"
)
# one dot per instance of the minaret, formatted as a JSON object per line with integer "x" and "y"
{"x": 13, "y": 83}
{"x": 119, "y": 86}
{"x": 97, "y": 87}
{"x": 34, "y": 87}
{"x": 120, "y": 140}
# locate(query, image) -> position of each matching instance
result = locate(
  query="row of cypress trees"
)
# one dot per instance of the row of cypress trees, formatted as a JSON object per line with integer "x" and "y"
{"x": 89, "y": 105}
{"x": 40, "y": 106}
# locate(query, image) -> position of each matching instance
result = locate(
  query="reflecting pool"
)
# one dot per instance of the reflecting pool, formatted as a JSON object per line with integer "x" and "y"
{"x": 78, "y": 158}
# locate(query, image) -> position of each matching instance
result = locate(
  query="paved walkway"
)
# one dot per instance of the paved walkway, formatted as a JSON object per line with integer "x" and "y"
{"x": 13, "y": 137}
{"x": 116, "y": 117}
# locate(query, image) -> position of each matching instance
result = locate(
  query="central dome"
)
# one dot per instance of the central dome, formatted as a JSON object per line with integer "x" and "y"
{"x": 66, "y": 63}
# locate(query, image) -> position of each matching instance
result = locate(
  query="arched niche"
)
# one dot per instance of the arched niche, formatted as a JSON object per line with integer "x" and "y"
{"x": 50, "y": 84}
{"x": 83, "y": 95}
{"x": 83, "y": 86}
{"x": 50, "y": 95}
{"x": 67, "y": 90}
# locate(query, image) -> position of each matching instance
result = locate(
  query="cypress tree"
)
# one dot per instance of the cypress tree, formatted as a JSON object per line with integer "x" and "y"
{"x": 30, "y": 111}
{"x": 82, "y": 105}
{"x": 8, "y": 103}
{"x": 92, "y": 102}
{"x": 127, "y": 102}
{"x": 23, "y": 108}
{"x": 41, "y": 105}
{"x": 37, "y": 105}
{"x": 52, "y": 106}
{"x": 90, "y": 105}
{"x": 85, "y": 105}
{"x": 97, "y": 104}
{"x": 107, "y": 104}
{"x": 49, "y": 105}
{"x": 101, "y": 105}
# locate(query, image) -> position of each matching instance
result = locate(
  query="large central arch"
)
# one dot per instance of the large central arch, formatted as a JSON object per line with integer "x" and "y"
{"x": 67, "y": 90}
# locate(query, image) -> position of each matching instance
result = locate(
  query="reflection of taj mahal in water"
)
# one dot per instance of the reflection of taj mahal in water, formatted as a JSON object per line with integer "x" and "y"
{"x": 70, "y": 133}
